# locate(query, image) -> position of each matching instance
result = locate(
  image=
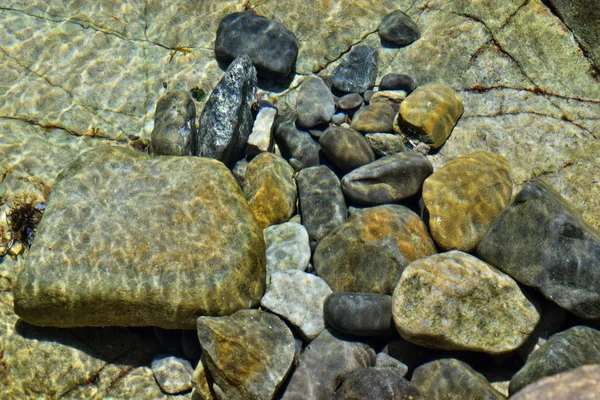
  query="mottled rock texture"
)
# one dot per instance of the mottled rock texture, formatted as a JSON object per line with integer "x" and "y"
{"x": 346, "y": 148}
{"x": 376, "y": 117}
{"x": 385, "y": 144}
{"x": 175, "y": 130}
{"x": 357, "y": 71}
{"x": 314, "y": 103}
{"x": 376, "y": 383}
{"x": 296, "y": 146}
{"x": 399, "y": 29}
{"x": 150, "y": 247}
{"x": 360, "y": 314}
{"x": 465, "y": 197}
{"x": 287, "y": 247}
{"x": 173, "y": 374}
{"x": 581, "y": 383}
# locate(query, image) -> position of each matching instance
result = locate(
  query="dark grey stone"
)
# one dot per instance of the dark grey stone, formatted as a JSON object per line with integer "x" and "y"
{"x": 399, "y": 28}
{"x": 386, "y": 361}
{"x": 387, "y": 180}
{"x": 226, "y": 121}
{"x": 376, "y": 383}
{"x": 542, "y": 242}
{"x": 360, "y": 314}
{"x": 346, "y": 148}
{"x": 357, "y": 71}
{"x": 174, "y": 132}
{"x": 562, "y": 352}
{"x": 271, "y": 46}
{"x": 397, "y": 82}
{"x": 314, "y": 103}
{"x": 349, "y": 101}
{"x": 296, "y": 146}
{"x": 322, "y": 204}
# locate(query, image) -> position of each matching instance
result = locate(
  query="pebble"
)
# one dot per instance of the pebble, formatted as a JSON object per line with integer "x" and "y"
{"x": 339, "y": 118}
{"x": 357, "y": 71}
{"x": 174, "y": 132}
{"x": 296, "y": 146}
{"x": 272, "y": 47}
{"x": 385, "y": 144}
{"x": 465, "y": 197}
{"x": 391, "y": 97}
{"x": 580, "y": 383}
{"x": 370, "y": 250}
{"x": 360, "y": 314}
{"x": 346, "y": 148}
{"x": 384, "y": 360}
{"x": 261, "y": 138}
{"x": 454, "y": 301}
{"x": 376, "y": 117}
{"x": 387, "y": 180}
{"x": 239, "y": 171}
{"x": 287, "y": 247}
{"x": 173, "y": 374}
{"x": 399, "y": 29}
{"x": 298, "y": 298}
{"x": 349, "y": 101}
{"x": 542, "y": 242}
{"x": 270, "y": 189}
{"x": 397, "y": 82}
{"x": 314, "y": 104}
{"x": 376, "y": 383}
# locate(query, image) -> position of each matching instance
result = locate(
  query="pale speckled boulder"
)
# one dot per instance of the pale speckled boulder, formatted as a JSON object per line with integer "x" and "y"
{"x": 160, "y": 241}
{"x": 465, "y": 197}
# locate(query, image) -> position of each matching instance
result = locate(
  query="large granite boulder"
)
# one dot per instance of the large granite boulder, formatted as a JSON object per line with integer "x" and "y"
{"x": 132, "y": 240}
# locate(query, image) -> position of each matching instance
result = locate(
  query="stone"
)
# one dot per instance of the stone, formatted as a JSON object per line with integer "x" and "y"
{"x": 387, "y": 180}
{"x": 173, "y": 374}
{"x": 339, "y": 118}
{"x": 202, "y": 387}
{"x": 429, "y": 114}
{"x": 465, "y": 197}
{"x": 349, "y": 101}
{"x": 174, "y": 132}
{"x": 556, "y": 252}
{"x": 369, "y": 251}
{"x": 297, "y": 146}
{"x": 397, "y": 82}
{"x": 261, "y": 137}
{"x": 248, "y": 353}
{"x": 326, "y": 362}
{"x": 383, "y": 360}
{"x": 346, "y": 148}
{"x": 322, "y": 204}
{"x": 226, "y": 120}
{"x": 270, "y": 45}
{"x": 580, "y": 383}
{"x": 385, "y": 144}
{"x": 134, "y": 383}
{"x": 376, "y": 383}
{"x": 270, "y": 189}
{"x": 239, "y": 171}
{"x": 376, "y": 117}
{"x": 298, "y": 298}
{"x": 360, "y": 314}
{"x": 564, "y": 351}
{"x": 453, "y": 380}
{"x": 314, "y": 103}
{"x": 287, "y": 248}
{"x": 454, "y": 301}
{"x": 392, "y": 98}
{"x": 129, "y": 209}
{"x": 357, "y": 71}
{"x": 399, "y": 29}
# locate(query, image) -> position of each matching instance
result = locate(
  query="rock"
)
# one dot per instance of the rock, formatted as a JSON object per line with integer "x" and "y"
{"x": 173, "y": 374}
{"x": 322, "y": 204}
{"x": 129, "y": 209}
{"x": 392, "y": 98}
{"x": 349, "y": 101}
{"x": 346, "y": 148}
{"x": 564, "y": 351}
{"x": 270, "y": 189}
{"x": 555, "y": 251}
{"x": 453, "y": 301}
{"x": 174, "y": 132}
{"x": 272, "y": 47}
{"x": 226, "y": 121}
{"x": 202, "y": 388}
{"x": 429, "y": 114}
{"x": 368, "y": 252}
{"x": 298, "y": 298}
{"x": 385, "y": 144}
{"x": 398, "y": 28}
{"x": 453, "y": 380}
{"x": 339, "y": 118}
{"x": 384, "y": 360}
{"x": 360, "y": 314}
{"x": 376, "y": 383}
{"x": 239, "y": 171}
{"x": 357, "y": 71}
{"x": 579, "y": 383}
{"x": 296, "y": 145}
{"x": 134, "y": 383}
{"x": 376, "y": 117}
{"x": 314, "y": 103}
{"x": 287, "y": 248}
{"x": 325, "y": 363}
{"x": 397, "y": 82}
{"x": 248, "y": 354}
{"x": 261, "y": 138}
{"x": 387, "y": 180}
{"x": 465, "y": 197}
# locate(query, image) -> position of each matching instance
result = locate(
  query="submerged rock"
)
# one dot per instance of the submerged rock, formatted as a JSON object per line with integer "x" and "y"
{"x": 357, "y": 71}
{"x": 175, "y": 130}
{"x": 314, "y": 103}
{"x": 399, "y": 28}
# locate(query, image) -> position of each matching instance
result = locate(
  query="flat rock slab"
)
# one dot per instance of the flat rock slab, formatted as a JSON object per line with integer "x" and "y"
{"x": 159, "y": 241}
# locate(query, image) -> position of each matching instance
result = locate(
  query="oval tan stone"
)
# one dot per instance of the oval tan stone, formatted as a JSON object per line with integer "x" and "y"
{"x": 454, "y": 301}
{"x": 465, "y": 197}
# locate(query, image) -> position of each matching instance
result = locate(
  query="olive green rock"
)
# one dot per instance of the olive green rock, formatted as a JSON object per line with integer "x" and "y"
{"x": 465, "y": 197}
{"x": 429, "y": 114}
{"x": 376, "y": 117}
{"x": 346, "y": 148}
{"x": 133, "y": 240}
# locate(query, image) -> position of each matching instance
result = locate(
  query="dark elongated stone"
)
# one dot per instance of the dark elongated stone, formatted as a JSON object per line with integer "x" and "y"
{"x": 226, "y": 121}
{"x": 542, "y": 242}
{"x": 272, "y": 47}
{"x": 361, "y": 314}
{"x": 174, "y": 130}
{"x": 296, "y": 146}
{"x": 376, "y": 383}
{"x": 397, "y": 82}
{"x": 346, "y": 148}
{"x": 357, "y": 72}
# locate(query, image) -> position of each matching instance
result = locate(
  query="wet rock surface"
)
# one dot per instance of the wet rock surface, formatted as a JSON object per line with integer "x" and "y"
{"x": 376, "y": 117}
{"x": 173, "y": 375}
{"x": 286, "y": 247}
{"x": 346, "y": 148}
{"x": 376, "y": 383}
{"x": 295, "y": 145}
{"x": 175, "y": 129}
{"x": 385, "y": 144}
{"x": 314, "y": 104}
{"x": 579, "y": 383}
{"x": 361, "y": 314}
{"x": 399, "y": 29}
{"x": 357, "y": 71}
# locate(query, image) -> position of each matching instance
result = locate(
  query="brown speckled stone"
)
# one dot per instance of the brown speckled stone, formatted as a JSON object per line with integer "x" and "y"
{"x": 465, "y": 197}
